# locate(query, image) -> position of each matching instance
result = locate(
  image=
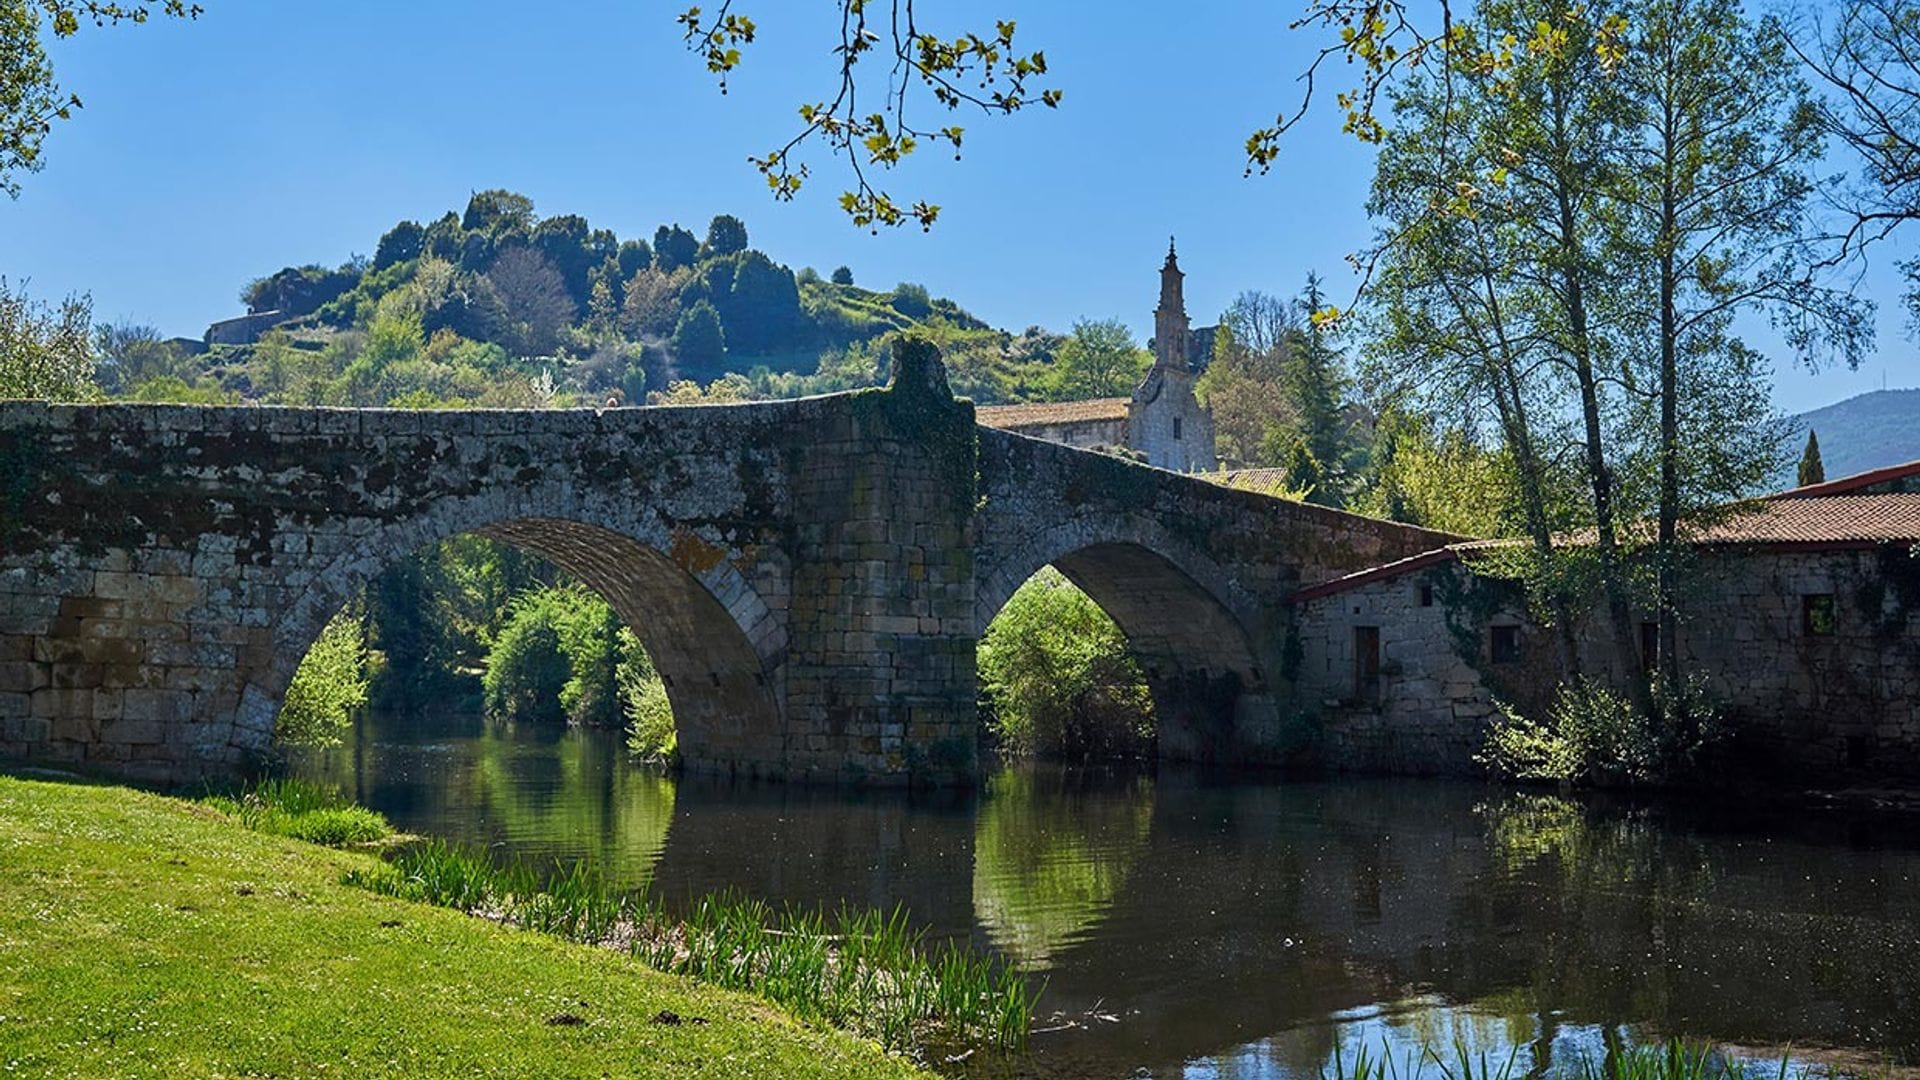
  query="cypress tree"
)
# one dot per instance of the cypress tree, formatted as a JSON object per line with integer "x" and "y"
{"x": 1811, "y": 469}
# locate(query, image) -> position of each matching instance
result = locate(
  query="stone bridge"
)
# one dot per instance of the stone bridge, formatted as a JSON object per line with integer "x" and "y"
{"x": 810, "y": 577}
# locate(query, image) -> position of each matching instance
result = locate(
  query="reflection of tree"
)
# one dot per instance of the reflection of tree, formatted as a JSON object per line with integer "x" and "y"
{"x": 1048, "y": 861}
{"x": 547, "y": 795}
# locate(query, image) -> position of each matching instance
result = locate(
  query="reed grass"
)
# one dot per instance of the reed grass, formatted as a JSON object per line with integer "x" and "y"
{"x": 304, "y": 811}
{"x": 1672, "y": 1059}
{"x": 864, "y": 971}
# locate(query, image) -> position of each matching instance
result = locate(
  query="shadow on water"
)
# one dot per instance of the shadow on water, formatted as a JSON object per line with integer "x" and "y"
{"x": 1222, "y": 927}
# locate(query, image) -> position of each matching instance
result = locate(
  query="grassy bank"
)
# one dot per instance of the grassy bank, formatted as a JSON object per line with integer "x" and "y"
{"x": 144, "y": 936}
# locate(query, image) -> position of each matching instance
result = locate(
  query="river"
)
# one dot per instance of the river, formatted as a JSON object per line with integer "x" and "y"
{"x": 1192, "y": 925}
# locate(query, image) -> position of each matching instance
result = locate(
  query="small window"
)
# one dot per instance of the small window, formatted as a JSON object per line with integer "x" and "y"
{"x": 1426, "y": 594}
{"x": 1503, "y": 644}
{"x": 1366, "y": 663}
{"x": 1649, "y": 645}
{"x": 1176, "y": 427}
{"x": 1816, "y": 614}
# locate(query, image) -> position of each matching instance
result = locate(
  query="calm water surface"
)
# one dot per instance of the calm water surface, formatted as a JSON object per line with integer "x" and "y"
{"x": 1194, "y": 926}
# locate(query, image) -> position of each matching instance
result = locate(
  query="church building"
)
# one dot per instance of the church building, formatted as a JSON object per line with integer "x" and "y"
{"x": 1161, "y": 422}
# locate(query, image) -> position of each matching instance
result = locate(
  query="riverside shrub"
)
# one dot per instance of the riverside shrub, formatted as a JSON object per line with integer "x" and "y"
{"x": 329, "y": 685}
{"x": 1058, "y": 677}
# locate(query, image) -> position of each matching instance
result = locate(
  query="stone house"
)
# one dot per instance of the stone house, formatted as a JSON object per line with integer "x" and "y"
{"x": 1799, "y": 614}
{"x": 1162, "y": 422}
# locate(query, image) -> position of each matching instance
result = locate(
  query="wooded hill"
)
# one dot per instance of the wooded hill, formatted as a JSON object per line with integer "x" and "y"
{"x": 499, "y": 306}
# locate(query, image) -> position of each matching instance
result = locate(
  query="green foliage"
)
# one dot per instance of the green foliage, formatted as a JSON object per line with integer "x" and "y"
{"x": 842, "y": 275}
{"x": 1099, "y": 359}
{"x": 726, "y": 235}
{"x": 674, "y": 248}
{"x": 330, "y": 683}
{"x": 558, "y": 658}
{"x": 1811, "y": 471}
{"x": 1593, "y": 735}
{"x": 651, "y": 734}
{"x": 402, "y": 243}
{"x": 911, "y": 300}
{"x": 304, "y": 811}
{"x": 1058, "y": 678}
{"x": 698, "y": 340}
{"x": 45, "y": 351}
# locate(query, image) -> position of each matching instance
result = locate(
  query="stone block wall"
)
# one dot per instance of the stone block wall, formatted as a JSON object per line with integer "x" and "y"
{"x": 799, "y": 571}
{"x": 1805, "y": 704}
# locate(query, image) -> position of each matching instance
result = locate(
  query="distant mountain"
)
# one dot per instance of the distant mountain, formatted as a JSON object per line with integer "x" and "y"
{"x": 1870, "y": 431}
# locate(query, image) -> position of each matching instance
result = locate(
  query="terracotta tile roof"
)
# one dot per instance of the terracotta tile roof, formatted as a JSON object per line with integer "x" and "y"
{"x": 1052, "y": 412}
{"x": 1804, "y": 521}
{"x": 1851, "y": 483}
{"x": 1820, "y": 519}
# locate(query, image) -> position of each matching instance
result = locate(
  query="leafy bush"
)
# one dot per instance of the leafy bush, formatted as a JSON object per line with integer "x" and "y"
{"x": 329, "y": 684}
{"x": 650, "y": 731}
{"x": 1059, "y": 679}
{"x": 1594, "y": 736}
{"x": 557, "y": 658}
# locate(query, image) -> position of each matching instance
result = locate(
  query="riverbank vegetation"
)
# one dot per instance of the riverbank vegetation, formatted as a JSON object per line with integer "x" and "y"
{"x": 302, "y": 810}
{"x": 859, "y": 970}
{"x": 1057, "y": 679}
{"x": 146, "y": 935}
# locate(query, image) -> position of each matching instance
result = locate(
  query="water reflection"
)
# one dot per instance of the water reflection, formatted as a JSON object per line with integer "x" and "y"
{"x": 1050, "y": 852}
{"x": 1249, "y": 929}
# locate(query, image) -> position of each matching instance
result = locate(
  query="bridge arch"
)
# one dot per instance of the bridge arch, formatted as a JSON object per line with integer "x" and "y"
{"x": 1193, "y": 632}
{"x": 716, "y": 643}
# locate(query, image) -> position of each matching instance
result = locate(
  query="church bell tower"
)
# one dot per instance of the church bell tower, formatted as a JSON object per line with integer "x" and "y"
{"x": 1165, "y": 423}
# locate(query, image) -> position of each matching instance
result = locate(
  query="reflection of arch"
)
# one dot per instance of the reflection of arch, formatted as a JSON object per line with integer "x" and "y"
{"x": 1189, "y": 627}
{"x": 713, "y": 639}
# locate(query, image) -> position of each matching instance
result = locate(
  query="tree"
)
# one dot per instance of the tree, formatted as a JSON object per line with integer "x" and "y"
{"x": 1060, "y": 678}
{"x": 1100, "y": 359}
{"x": 842, "y": 275}
{"x": 533, "y": 301}
{"x": 674, "y": 248}
{"x": 978, "y": 70}
{"x": 1811, "y": 470}
{"x": 568, "y": 244}
{"x": 650, "y": 304}
{"x": 1314, "y": 375}
{"x": 1241, "y": 387}
{"x": 726, "y": 235}
{"x": 699, "y": 343}
{"x": 912, "y": 300}
{"x": 46, "y": 351}
{"x": 496, "y": 211}
{"x": 1869, "y": 58}
{"x": 1719, "y": 191}
{"x": 30, "y": 99}
{"x": 761, "y": 308}
{"x": 401, "y": 243}
{"x": 129, "y": 354}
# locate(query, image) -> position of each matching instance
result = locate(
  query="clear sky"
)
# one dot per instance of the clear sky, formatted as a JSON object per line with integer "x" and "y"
{"x": 267, "y": 134}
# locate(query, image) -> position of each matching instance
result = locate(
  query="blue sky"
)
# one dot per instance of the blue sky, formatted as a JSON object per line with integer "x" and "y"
{"x": 266, "y": 134}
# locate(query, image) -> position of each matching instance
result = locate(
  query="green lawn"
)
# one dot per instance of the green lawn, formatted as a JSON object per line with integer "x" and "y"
{"x": 146, "y": 936}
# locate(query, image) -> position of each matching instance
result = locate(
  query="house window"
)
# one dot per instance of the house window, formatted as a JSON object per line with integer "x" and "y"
{"x": 1366, "y": 663}
{"x": 1503, "y": 644}
{"x": 1817, "y": 614}
{"x": 1649, "y": 645}
{"x": 1176, "y": 427}
{"x": 1426, "y": 594}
